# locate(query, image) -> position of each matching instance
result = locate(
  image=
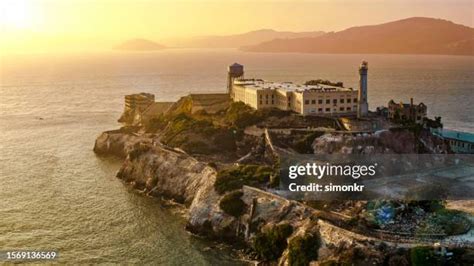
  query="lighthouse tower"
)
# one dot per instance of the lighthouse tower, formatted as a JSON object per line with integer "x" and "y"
{"x": 363, "y": 106}
{"x": 234, "y": 71}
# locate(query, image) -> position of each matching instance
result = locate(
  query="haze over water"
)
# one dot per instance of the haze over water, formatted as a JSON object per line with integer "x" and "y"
{"x": 56, "y": 194}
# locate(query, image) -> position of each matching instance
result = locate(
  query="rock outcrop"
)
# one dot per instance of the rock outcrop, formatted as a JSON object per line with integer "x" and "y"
{"x": 162, "y": 171}
{"x": 117, "y": 143}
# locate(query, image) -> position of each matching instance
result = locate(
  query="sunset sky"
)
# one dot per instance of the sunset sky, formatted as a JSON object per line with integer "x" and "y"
{"x": 42, "y": 25}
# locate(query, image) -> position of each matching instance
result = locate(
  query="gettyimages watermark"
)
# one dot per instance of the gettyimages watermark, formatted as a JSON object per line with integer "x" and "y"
{"x": 385, "y": 176}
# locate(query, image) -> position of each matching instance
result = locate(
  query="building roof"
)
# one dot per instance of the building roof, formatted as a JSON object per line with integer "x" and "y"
{"x": 457, "y": 135}
{"x": 258, "y": 84}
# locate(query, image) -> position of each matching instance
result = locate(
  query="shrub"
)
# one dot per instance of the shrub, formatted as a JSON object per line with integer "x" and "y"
{"x": 241, "y": 115}
{"x": 196, "y": 147}
{"x": 444, "y": 221}
{"x": 324, "y": 82}
{"x": 271, "y": 243}
{"x": 303, "y": 250}
{"x": 453, "y": 222}
{"x": 184, "y": 122}
{"x": 234, "y": 178}
{"x": 423, "y": 256}
{"x": 156, "y": 124}
{"x": 232, "y": 204}
{"x": 304, "y": 144}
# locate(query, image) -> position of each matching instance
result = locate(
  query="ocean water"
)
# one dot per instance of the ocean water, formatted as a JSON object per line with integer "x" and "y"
{"x": 57, "y": 194}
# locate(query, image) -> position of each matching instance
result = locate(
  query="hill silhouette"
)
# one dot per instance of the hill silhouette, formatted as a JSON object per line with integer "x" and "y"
{"x": 416, "y": 35}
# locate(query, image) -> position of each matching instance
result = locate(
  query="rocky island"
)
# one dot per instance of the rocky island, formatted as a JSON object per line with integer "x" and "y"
{"x": 220, "y": 158}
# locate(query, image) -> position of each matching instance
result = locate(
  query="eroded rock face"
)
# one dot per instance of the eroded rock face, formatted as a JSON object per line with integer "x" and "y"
{"x": 116, "y": 143}
{"x": 374, "y": 143}
{"x": 162, "y": 171}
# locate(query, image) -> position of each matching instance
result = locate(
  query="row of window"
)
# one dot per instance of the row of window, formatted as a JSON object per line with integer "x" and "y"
{"x": 327, "y": 110}
{"x": 328, "y": 101}
{"x": 266, "y": 101}
{"x": 461, "y": 144}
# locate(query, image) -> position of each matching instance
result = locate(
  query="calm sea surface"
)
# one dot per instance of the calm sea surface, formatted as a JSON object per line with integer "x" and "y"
{"x": 56, "y": 194}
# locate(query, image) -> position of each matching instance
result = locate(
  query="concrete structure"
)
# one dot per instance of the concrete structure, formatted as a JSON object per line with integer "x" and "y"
{"x": 234, "y": 72}
{"x": 319, "y": 99}
{"x": 134, "y": 104}
{"x": 139, "y": 101}
{"x": 407, "y": 112}
{"x": 363, "y": 107}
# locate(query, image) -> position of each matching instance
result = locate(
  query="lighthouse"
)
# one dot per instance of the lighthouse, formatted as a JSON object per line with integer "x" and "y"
{"x": 363, "y": 106}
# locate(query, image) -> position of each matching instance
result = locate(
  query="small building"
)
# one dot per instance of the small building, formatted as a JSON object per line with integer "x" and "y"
{"x": 460, "y": 142}
{"x": 410, "y": 112}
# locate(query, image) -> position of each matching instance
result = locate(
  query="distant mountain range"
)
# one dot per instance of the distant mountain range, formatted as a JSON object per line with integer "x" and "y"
{"x": 237, "y": 40}
{"x": 408, "y": 36}
{"x": 139, "y": 45}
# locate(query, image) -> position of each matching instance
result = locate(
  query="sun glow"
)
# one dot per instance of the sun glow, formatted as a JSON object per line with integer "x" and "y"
{"x": 15, "y": 14}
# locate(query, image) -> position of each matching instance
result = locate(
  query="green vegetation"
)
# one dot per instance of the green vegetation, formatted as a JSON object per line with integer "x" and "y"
{"x": 421, "y": 256}
{"x": 445, "y": 221}
{"x": 303, "y": 250}
{"x": 324, "y": 82}
{"x": 241, "y": 115}
{"x": 184, "y": 122}
{"x": 270, "y": 244}
{"x": 156, "y": 124}
{"x": 199, "y": 136}
{"x": 303, "y": 145}
{"x": 232, "y": 204}
{"x": 235, "y": 177}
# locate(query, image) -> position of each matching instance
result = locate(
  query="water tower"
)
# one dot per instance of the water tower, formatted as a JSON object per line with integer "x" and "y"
{"x": 234, "y": 71}
{"x": 363, "y": 106}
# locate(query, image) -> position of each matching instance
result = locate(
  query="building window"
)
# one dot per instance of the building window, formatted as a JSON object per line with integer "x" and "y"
{"x": 306, "y": 102}
{"x": 320, "y": 101}
{"x": 348, "y": 100}
{"x": 260, "y": 96}
{"x": 341, "y": 101}
{"x": 266, "y": 96}
{"x": 320, "y": 110}
{"x": 313, "y": 101}
{"x": 348, "y": 108}
{"x": 355, "y": 100}
{"x": 328, "y": 101}
{"x": 273, "y": 96}
{"x": 328, "y": 109}
{"x": 341, "y": 109}
{"x": 334, "y": 101}
{"x": 261, "y": 100}
{"x": 273, "y": 102}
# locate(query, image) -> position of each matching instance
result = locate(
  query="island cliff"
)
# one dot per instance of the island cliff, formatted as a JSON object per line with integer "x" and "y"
{"x": 222, "y": 168}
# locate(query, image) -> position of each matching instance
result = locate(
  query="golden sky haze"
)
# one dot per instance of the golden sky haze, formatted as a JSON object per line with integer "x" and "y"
{"x": 42, "y": 25}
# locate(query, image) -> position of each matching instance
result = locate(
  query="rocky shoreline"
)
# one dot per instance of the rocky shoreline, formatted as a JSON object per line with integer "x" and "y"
{"x": 221, "y": 168}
